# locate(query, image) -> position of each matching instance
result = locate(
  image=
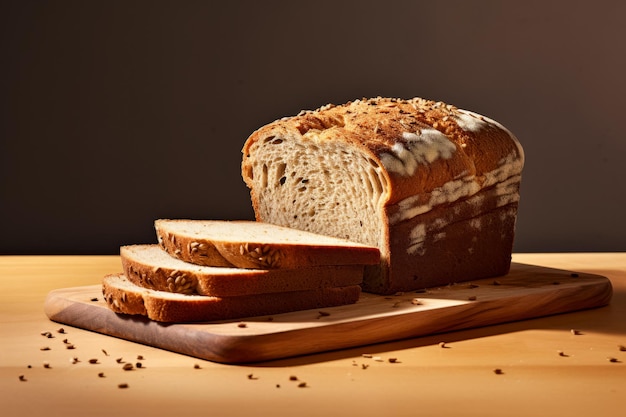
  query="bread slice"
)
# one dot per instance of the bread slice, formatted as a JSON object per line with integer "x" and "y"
{"x": 122, "y": 296}
{"x": 151, "y": 267}
{"x": 250, "y": 244}
{"x": 434, "y": 187}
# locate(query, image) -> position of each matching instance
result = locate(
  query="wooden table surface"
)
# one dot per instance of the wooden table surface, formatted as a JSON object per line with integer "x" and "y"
{"x": 547, "y": 368}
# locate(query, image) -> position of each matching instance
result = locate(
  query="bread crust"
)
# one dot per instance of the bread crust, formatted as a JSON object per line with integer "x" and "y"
{"x": 437, "y": 162}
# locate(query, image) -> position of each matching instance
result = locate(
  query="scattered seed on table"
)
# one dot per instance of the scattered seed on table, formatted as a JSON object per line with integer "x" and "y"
{"x": 367, "y": 355}
{"x": 44, "y": 348}
{"x": 196, "y": 366}
{"x": 364, "y": 366}
{"x": 127, "y": 367}
{"x": 251, "y": 376}
{"x": 498, "y": 371}
{"x": 122, "y": 385}
{"x": 101, "y": 374}
{"x": 621, "y": 348}
{"x": 22, "y": 378}
{"x": 613, "y": 360}
{"x": 94, "y": 299}
{"x": 242, "y": 325}
{"x": 576, "y": 332}
{"x": 74, "y": 360}
{"x": 105, "y": 352}
{"x": 70, "y": 346}
{"x": 46, "y": 365}
{"x": 139, "y": 365}
{"x": 561, "y": 353}
{"x": 393, "y": 360}
{"x": 302, "y": 385}
{"x": 472, "y": 298}
{"x": 61, "y": 330}
{"x": 93, "y": 361}
{"x": 119, "y": 360}
{"x": 443, "y": 345}
{"x": 293, "y": 378}
{"x": 139, "y": 357}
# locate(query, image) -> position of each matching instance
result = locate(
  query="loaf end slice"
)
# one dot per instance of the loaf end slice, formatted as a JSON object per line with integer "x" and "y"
{"x": 122, "y": 296}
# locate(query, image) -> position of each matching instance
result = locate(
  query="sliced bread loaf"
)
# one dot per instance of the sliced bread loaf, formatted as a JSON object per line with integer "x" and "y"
{"x": 151, "y": 267}
{"x": 250, "y": 244}
{"x": 434, "y": 187}
{"x": 123, "y": 296}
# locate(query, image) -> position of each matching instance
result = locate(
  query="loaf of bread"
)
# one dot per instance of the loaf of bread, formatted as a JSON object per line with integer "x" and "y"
{"x": 434, "y": 187}
{"x": 122, "y": 296}
{"x": 249, "y": 244}
{"x": 149, "y": 266}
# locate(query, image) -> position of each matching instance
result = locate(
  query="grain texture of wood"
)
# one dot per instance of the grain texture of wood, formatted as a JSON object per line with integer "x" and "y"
{"x": 526, "y": 292}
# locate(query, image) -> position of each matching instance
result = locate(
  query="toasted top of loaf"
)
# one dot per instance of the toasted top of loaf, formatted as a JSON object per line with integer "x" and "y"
{"x": 250, "y": 244}
{"x": 415, "y": 145}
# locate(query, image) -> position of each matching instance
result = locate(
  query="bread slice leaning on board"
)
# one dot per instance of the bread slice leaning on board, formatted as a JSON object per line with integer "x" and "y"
{"x": 122, "y": 296}
{"x": 149, "y": 266}
{"x": 250, "y": 244}
{"x": 434, "y": 187}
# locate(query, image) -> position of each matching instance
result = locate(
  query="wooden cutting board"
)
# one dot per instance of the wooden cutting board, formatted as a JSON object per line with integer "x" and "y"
{"x": 526, "y": 292}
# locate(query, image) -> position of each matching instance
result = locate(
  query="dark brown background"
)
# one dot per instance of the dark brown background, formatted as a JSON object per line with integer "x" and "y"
{"x": 115, "y": 113}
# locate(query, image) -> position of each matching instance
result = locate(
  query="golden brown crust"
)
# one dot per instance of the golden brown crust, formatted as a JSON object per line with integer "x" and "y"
{"x": 377, "y": 125}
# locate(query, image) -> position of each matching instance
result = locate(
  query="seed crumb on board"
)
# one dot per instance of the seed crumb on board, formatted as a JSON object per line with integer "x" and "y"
{"x": 498, "y": 371}
{"x": 122, "y": 385}
{"x": 321, "y": 314}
